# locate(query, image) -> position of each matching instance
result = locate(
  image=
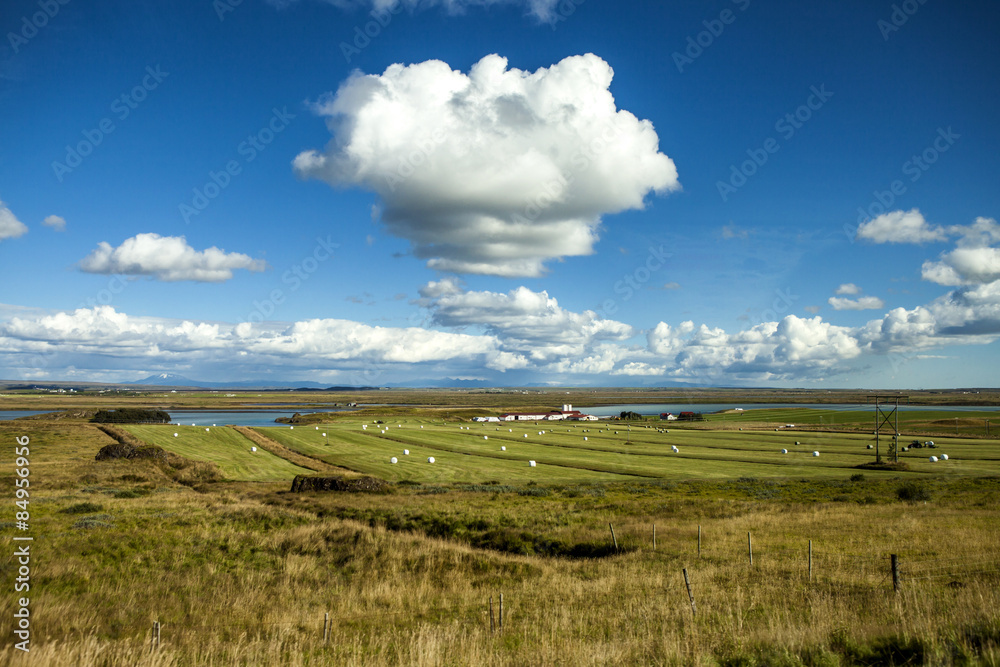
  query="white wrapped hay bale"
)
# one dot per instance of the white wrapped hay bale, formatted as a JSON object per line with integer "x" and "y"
{"x": 175, "y": 435}
{"x": 253, "y": 449}
{"x": 815, "y": 453}
{"x": 430, "y": 459}
{"x": 406, "y": 452}
{"x": 784, "y": 451}
{"x": 503, "y": 449}
{"x": 394, "y": 460}
{"x": 486, "y": 437}
{"x": 944, "y": 457}
{"x": 933, "y": 459}
{"x": 531, "y": 464}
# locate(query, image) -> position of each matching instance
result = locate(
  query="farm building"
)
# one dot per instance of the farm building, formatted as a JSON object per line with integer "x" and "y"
{"x": 668, "y": 416}
{"x": 567, "y": 413}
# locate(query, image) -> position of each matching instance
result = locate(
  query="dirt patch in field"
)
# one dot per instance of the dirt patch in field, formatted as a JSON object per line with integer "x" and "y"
{"x": 303, "y": 484}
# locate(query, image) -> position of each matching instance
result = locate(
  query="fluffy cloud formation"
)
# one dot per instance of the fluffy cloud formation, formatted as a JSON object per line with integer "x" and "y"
{"x": 772, "y": 350}
{"x": 973, "y": 262}
{"x": 107, "y": 337}
{"x": 526, "y": 323}
{"x": 848, "y": 288}
{"x": 517, "y": 331}
{"x": 495, "y": 171}
{"x": 167, "y": 258}
{"x": 900, "y": 227}
{"x": 523, "y": 331}
{"x": 55, "y": 222}
{"x": 10, "y": 226}
{"x": 861, "y": 303}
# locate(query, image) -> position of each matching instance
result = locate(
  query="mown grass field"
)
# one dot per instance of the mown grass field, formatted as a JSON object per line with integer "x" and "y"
{"x": 226, "y": 448}
{"x": 242, "y": 573}
{"x": 566, "y": 452}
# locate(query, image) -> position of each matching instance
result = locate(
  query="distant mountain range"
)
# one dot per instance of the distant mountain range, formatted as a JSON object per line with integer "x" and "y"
{"x": 174, "y": 380}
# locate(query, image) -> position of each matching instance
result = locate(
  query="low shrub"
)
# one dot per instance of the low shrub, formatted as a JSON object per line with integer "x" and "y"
{"x": 82, "y": 508}
{"x": 913, "y": 492}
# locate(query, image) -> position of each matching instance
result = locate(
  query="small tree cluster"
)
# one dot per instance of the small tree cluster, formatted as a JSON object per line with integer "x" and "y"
{"x": 131, "y": 416}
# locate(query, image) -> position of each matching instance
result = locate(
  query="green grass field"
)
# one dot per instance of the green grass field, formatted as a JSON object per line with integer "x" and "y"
{"x": 607, "y": 452}
{"x": 223, "y": 446}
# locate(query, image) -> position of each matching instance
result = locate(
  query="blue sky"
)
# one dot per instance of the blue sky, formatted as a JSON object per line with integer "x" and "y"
{"x": 513, "y": 191}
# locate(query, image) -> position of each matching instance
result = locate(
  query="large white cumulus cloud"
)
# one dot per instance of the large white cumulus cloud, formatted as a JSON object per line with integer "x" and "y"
{"x": 494, "y": 171}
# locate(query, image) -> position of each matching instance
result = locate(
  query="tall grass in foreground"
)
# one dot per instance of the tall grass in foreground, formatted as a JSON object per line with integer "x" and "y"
{"x": 242, "y": 574}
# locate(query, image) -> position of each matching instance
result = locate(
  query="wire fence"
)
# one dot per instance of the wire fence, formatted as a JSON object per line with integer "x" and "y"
{"x": 695, "y": 585}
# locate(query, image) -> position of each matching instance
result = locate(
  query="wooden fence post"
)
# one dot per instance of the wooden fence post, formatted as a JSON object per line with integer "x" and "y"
{"x": 326, "y": 628}
{"x": 154, "y": 639}
{"x": 654, "y": 537}
{"x": 810, "y": 560}
{"x": 613, "y": 538}
{"x": 750, "y": 548}
{"x": 687, "y": 583}
{"x": 699, "y": 540}
{"x": 492, "y": 624}
{"x": 501, "y": 612}
{"x": 894, "y": 562}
